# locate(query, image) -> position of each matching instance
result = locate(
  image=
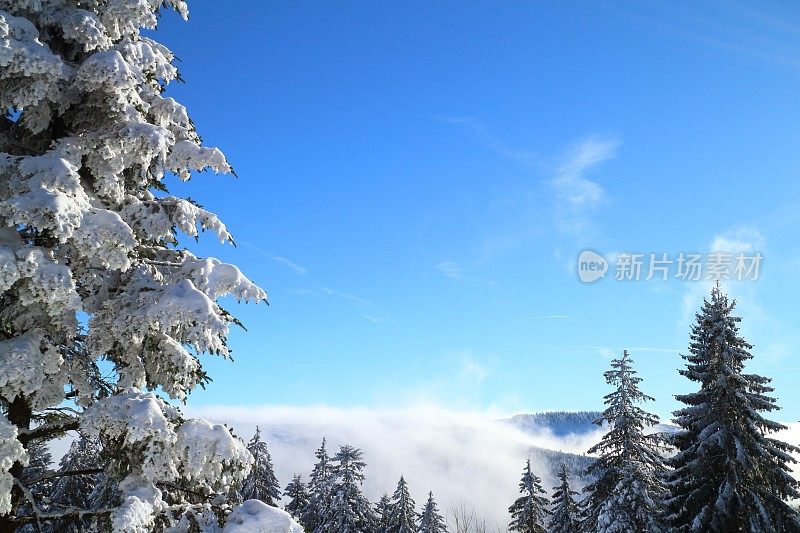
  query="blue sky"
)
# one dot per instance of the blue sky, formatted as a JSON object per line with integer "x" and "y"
{"x": 416, "y": 181}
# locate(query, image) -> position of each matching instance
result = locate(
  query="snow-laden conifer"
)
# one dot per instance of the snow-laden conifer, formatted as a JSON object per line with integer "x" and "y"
{"x": 75, "y": 489}
{"x": 261, "y": 483}
{"x": 628, "y": 489}
{"x": 320, "y": 488}
{"x": 349, "y": 510}
{"x": 430, "y": 521}
{"x": 297, "y": 494}
{"x": 728, "y": 474}
{"x": 37, "y": 477}
{"x": 92, "y": 266}
{"x": 565, "y": 507}
{"x": 383, "y": 510}
{"x": 529, "y": 513}
{"x": 402, "y": 516}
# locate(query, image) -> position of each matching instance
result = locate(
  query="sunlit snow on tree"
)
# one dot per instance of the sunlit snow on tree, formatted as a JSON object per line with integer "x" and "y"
{"x": 88, "y": 229}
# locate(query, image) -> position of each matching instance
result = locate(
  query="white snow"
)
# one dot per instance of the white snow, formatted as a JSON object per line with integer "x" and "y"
{"x": 210, "y": 456}
{"x": 27, "y": 367}
{"x": 11, "y": 450}
{"x": 254, "y": 516}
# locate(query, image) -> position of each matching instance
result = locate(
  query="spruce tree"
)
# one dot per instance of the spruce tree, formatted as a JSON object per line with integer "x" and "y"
{"x": 320, "y": 487}
{"x": 106, "y": 495}
{"x": 349, "y": 510}
{"x": 80, "y": 473}
{"x": 298, "y": 497}
{"x": 261, "y": 483}
{"x": 37, "y": 477}
{"x": 383, "y": 510}
{"x": 565, "y": 508}
{"x": 529, "y": 512}
{"x": 430, "y": 521}
{"x": 402, "y": 516}
{"x": 81, "y": 459}
{"x": 626, "y": 493}
{"x": 728, "y": 475}
{"x": 93, "y": 267}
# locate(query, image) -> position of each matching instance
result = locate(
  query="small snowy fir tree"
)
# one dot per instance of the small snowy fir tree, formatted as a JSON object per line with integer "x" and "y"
{"x": 37, "y": 472}
{"x": 298, "y": 496}
{"x": 627, "y": 491}
{"x": 106, "y": 495}
{"x": 37, "y": 476}
{"x": 728, "y": 475}
{"x": 565, "y": 507}
{"x": 261, "y": 483}
{"x": 91, "y": 267}
{"x": 383, "y": 510}
{"x": 75, "y": 490}
{"x": 320, "y": 487}
{"x": 402, "y": 516}
{"x": 530, "y": 511}
{"x": 430, "y": 521}
{"x": 349, "y": 510}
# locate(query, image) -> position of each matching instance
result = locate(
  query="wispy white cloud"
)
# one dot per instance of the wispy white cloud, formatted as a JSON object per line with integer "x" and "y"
{"x": 471, "y": 368}
{"x": 300, "y": 270}
{"x": 320, "y": 290}
{"x": 541, "y": 317}
{"x": 563, "y": 201}
{"x": 316, "y": 289}
{"x": 736, "y": 29}
{"x": 743, "y": 239}
{"x": 576, "y": 196}
{"x": 302, "y": 291}
{"x": 490, "y": 141}
{"x": 654, "y": 349}
{"x": 454, "y": 271}
{"x": 608, "y": 352}
{"x": 283, "y": 261}
{"x": 461, "y": 379}
{"x": 357, "y": 300}
{"x": 450, "y": 269}
{"x": 740, "y": 239}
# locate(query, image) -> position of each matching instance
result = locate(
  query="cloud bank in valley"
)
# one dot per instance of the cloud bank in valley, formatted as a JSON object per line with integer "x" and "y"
{"x": 465, "y": 458}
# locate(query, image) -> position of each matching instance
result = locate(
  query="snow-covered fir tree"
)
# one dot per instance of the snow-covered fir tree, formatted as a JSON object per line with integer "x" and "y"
{"x": 261, "y": 483}
{"x": 75, "y": 489}
{"x": 82, "y": 461}
{"x": 349, "y": 510}
{"x": 402, "y": 516}
{"x": 728, "y": 475}
{"x": 628, "y": 488}
{"x": 36, "y": 476}
{"x": 430, "y": 521}
{"x": 320, "y": 487}
{"x": 298, "y": 497}
{"x": 530, "y": 511}
{"x": 37, "y": 473}
{"x": 106, "y": 495}
{"x": 383, "y": 510}
{"x": 88, "y": 229}
{"x": 565, "y": 507}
